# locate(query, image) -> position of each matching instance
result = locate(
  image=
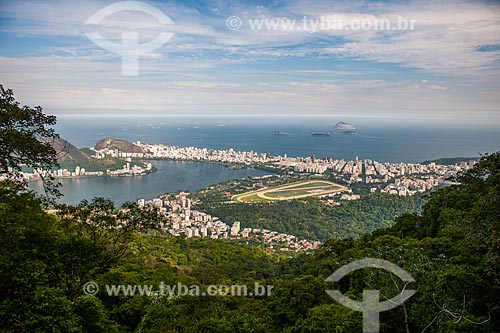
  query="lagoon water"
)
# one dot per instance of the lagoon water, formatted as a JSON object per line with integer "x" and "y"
{"x": 171, "y": 176}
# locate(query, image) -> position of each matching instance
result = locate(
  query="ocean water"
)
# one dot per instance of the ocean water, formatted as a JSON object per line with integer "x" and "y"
{"x": 381, "y": 141}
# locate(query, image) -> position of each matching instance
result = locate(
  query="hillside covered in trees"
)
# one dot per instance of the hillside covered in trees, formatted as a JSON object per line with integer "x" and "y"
{"x": 451, "y": 248}
{"x": 309, "y": 218}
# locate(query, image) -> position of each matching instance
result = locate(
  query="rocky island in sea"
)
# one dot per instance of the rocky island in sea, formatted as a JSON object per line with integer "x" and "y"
{"x": 339, "y": 128}
{"x": 344, "y": 128}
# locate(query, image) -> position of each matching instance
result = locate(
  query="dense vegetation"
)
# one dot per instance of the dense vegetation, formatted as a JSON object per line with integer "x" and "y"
{"x": 451, "y": 248}
{"x": 95, "y": 164}
{"x": 26, "y": 137}
{"x": 311, "y": 219}
{"x": 46, "y": 260}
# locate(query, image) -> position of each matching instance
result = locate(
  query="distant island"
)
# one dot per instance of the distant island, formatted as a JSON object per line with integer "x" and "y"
{"x": 339, "y": 128}
{"x": 344, "y": 128}
{"x": 321, "y": 133}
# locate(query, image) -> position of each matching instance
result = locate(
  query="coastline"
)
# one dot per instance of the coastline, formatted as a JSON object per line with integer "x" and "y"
{"x": 238, "y": 166}
{"x": 170, "y": 177}
{"x": 147, "y": 172}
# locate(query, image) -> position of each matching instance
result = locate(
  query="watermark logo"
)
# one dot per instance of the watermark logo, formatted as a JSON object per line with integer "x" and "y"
{"x": 371, "y": 305}
{"x": 332, "y": 23}
{"x": 90, "y": 288}
{"x": 164, "y": 290}
{"x": 233, "y": 23}
{"x": 129, "y": 49}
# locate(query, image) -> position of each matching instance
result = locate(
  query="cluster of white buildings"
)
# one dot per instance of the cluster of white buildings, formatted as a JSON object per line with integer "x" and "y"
{"x": 204, "y": 154}
{"x": 113, "y": 152}
{"x": 182, "y": 220}
{"x": 406, "y": 179}
{"x": 393, "y": 178}
{"x": 60, "y": 173}
{"x": 127, "y": 170}
{"x": 310, "y": 167}
{"x": 406, "y": 186}
{"x": 276, "y": 240}
{"x": 350, "y": 197}
{"x": 301, "y": 164}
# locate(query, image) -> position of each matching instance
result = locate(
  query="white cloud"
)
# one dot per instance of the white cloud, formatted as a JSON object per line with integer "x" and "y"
{"x": 437, "y": 87}
{"x": 445, "y": 40}
{"x": 192, "y": 70}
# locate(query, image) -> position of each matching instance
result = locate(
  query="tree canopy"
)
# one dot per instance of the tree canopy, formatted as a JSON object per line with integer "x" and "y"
{"x": 451, "y": 249}
{"x": 26, "y": 134}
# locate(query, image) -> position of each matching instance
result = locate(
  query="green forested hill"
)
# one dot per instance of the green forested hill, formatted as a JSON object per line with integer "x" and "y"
{"x": 311, "y": 219}
{"x": 451, "y": 249}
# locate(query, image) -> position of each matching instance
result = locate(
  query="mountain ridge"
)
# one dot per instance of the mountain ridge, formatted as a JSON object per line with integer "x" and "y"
{"x": 122, "y": 145}
{"x": 67, "y": 151}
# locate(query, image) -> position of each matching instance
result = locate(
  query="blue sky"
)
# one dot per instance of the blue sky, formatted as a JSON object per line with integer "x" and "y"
{"x": 447, "y": 69}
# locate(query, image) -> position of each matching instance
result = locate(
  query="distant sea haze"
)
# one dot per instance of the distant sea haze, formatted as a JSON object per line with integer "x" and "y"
{"x": 381, "y": 142}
